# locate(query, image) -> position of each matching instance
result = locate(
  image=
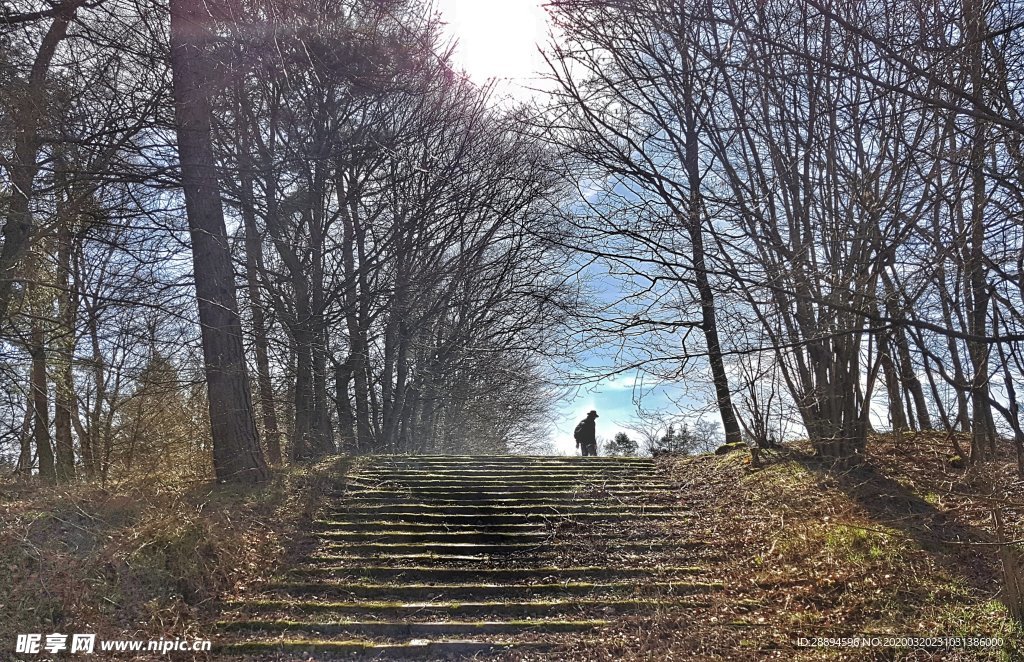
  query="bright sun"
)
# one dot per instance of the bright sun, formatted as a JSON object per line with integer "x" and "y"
{"x": 497, "y": 39}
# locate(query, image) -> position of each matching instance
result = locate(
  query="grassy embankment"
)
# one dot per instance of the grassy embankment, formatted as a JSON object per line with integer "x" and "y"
{"x": 144, "y": 560}
{"x": 903, "y": 548}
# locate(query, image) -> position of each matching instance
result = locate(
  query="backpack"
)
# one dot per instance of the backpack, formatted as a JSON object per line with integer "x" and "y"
{"x": 578, "y": 432}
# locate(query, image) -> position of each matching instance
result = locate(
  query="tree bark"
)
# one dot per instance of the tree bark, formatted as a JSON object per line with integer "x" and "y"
{"x": 64, "y": 382}
{"x": 237, "y": 456}
{"x": 982, "y": 431}
{"x": 27, "y": 117}
{"x": 253, "y": 264}
{"x": 41, "y": 406}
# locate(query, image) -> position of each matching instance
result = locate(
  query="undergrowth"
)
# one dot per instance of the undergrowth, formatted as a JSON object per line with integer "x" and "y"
{"x": 144, "y": 561}
{"x": 903, "y": 548}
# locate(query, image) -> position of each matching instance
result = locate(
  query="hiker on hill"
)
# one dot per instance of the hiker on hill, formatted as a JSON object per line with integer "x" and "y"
{"x": 586, "y": 434}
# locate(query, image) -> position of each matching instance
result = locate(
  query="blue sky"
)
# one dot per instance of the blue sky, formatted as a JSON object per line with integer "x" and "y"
{"x": 614, "y": 402}
{"x": 498, "y": 42}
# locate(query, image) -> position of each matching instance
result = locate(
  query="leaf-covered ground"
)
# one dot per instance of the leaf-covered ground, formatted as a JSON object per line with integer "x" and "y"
{"x": 903, "y": 549}
{"x": 142, "y": 561}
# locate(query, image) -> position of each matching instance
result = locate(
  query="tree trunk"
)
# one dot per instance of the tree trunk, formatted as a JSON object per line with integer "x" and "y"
{"x": 897, "y": 414}
{"x": 303, "y": 444}
{"x": 25, "y": 439}
{"x": 237, "y": 456}
{"x": 357, "y": 343}
{"x": 321, "y": 401}
{"x": 906, "y": 367}
{"x": 253, "y": 263}
{"x": 64, "y": 382}
{"x": 41, "y": 406}
{"x": 346, "y": 420}
{"x": 975, "y": 263}
{"x": 695, "y": 226}
{"x": 27, "y": 116}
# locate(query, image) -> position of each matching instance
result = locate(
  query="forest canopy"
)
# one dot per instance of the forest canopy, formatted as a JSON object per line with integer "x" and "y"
{"x": 247, "y": 232}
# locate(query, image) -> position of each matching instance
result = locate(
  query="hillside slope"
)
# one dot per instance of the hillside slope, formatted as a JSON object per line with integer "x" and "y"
{"x": 902, "y": 549}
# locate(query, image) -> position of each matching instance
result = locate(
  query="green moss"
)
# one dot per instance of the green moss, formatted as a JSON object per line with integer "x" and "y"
{"x": 785, "y": 474}
{"x": 860, "y": 545}
{"x": 986, "y": 619}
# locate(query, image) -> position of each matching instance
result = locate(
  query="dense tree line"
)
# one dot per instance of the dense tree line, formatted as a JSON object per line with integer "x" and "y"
{"x": 838, "y": 185}
{"x": 359, "y": 226}
{"x": 269, "y": 231}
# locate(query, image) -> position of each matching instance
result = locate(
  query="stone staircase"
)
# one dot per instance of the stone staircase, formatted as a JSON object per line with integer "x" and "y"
{"x": 436, "y": 557}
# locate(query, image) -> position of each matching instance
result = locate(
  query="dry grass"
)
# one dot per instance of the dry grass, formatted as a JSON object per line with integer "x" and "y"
{"x": 144, "y": 561}
{"x": 901, "y": 549}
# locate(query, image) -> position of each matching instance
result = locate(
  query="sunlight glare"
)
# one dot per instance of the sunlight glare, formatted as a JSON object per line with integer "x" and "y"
{"x": 498, "y": 39}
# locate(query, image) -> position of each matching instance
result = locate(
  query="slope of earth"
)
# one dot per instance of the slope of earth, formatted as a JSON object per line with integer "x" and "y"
{"x": 898, "y": 551}
{"x": 434, "y": 557}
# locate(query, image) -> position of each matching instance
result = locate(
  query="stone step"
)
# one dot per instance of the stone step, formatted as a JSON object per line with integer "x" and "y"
{"x": 492, "y": 519}
{"x": 507, "y": 459}
{"x": 492, "y": 548}
{"x": 403, "y": 558}
{"x": 370, "y": 650}
{"x": 455, "y": 498}
{"x": 525, "y": 482}
{"x": 433, "y": 536}
{"x": 471, "y": 525}
{"x": 461, "y": 478}
{"x": 508, "y": 491}
{"x": 471, "y": 592}
{"x": 494, "y": 474}
{"x": 385, "y": 549}
{"x": 501, "y": 555}
{"x": 488, "y": 575}
{"x": 589, "y": 492}
{"x": 399, "y": 629}
{"x": 484, "y": 510}
{"x": 492, "y": 609}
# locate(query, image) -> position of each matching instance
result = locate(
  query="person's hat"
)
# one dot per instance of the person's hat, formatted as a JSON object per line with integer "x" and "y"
{"x": 593, "y": 413}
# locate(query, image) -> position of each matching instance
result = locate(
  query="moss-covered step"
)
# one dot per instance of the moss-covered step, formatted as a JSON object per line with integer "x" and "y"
{"x": 476, "y": 549}
{"x": 490, "y": 609}
{"x": 424, "y": 527}
{"x": 386, "y": 548}
{"x": 477, "y": 491}
{"x": 540, "y": 574}
{"x": 496, "y": 518}
{"x": 403, "y": 558}
{"x": 526, "y": 481}
{"x": 678, "y": 554}
{"x": 513, "y": 459}
{"x": 480, "y": 591}
{"x": 440, "y": 535}
{"x": 356, "y": 649}
{"x": 597, "y": 467}
{"x": 453, "y": 498}
{"x": 478, "y": 509}
{"x": 515, "y": 473}
{"x": 498, "y": 493}
{"x": 402, "y": 629}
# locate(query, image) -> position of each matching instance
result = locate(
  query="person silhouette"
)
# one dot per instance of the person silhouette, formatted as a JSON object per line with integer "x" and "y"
{"x": 586, "y": 434}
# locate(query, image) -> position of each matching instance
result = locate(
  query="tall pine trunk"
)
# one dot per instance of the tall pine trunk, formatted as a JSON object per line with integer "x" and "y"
{"x": 253, "y": 264}
{"x": 64, "y": 393}
{"x": 41, "y": 404}
{"x": 237, "y": 456}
